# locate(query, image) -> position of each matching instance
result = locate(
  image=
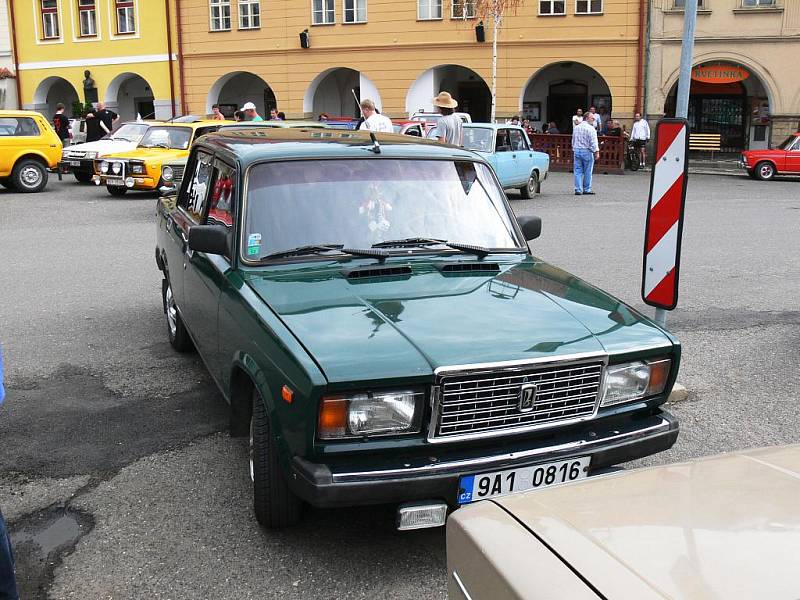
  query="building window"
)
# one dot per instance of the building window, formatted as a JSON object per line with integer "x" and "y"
{"x": 756, "y": 3}
{"x": 220, "y": 15}
{"x": 355, "y": 11}
{"x": 87, "y": 16}
{"x": 681, "y": 4}
{"x": 588, "y": 7}
{"x": 249, "y": 14}
{"x": 463, "y": 9}
{"x": 552, "y": 7}
{"x": 50, "y": 29}
{"x": 126, "y": 17}
{"x": 322, "y": 12}
{"x": 429, "y": 9}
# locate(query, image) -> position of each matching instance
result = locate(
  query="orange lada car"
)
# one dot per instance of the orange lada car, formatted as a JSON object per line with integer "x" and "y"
{"x": 29, "y": 147}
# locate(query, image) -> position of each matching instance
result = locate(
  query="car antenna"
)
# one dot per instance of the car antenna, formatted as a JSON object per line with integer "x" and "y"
{"x": 376, "y": 147}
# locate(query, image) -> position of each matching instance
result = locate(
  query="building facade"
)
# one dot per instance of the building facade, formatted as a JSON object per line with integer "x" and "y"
{"x": 746, "y": 75}
{"x": 125, "y": 46}
{"x": 554, "y": 56}
{"x": 8, "y": 82}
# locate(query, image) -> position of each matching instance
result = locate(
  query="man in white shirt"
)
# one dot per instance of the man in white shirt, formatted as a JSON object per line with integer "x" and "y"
{"x": 373, "y": 120}
{"x": 598, "y": 121}
{"x": 640, "y": 134}
{"x": 585, "y": 150}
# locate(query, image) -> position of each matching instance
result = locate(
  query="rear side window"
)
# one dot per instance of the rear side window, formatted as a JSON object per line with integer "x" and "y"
{"x": 196, "y": 191}
{"x": 221, "y": 203}
{"x": 18, "y": 127}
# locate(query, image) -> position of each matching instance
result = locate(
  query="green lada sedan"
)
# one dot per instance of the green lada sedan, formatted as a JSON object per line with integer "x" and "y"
{"x": 369, "y": 307}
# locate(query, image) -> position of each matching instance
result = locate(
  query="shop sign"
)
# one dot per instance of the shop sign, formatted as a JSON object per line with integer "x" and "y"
{"x": 719, "y": 73}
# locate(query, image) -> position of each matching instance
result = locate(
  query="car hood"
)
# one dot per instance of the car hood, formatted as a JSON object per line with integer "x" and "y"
{"x": 718, "y": 527}
{"x": 385, "y": 327}
{"x": 764, "y": 153}
{"x": 103, "y": 147}
{"x": 155, "y": 155}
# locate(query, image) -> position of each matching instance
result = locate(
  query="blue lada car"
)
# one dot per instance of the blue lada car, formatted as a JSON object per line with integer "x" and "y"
{"x": 509, "y": 151}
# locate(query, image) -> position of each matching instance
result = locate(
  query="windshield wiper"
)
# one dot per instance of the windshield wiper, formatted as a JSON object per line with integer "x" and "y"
{"x": 300, "y": 250}
{"x": 479, "y": 251}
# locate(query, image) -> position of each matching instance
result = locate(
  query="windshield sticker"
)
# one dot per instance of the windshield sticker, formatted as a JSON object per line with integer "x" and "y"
{"x": 253, "y": 244}
{"x": 376, "y": 208}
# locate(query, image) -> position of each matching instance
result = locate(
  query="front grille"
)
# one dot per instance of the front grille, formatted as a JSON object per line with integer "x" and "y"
{"x": 177, "y": 173}
{"x": 486, "y": 402}
{"x": 75, "y": 154}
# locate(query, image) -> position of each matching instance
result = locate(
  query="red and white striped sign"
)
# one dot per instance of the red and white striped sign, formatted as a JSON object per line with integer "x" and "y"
{"x": 662, "y": 239}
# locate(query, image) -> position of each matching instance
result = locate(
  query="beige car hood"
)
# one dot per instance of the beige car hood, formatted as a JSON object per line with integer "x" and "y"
{"x": 721, "y": 527}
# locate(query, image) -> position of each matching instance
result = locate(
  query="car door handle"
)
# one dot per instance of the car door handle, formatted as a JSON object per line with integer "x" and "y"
{"x": 184, "y": 237}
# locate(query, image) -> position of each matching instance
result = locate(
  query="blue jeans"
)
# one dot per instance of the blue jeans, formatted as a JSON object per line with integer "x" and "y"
{"x": 8, "y": 585}
{"x": 583, "y": 163}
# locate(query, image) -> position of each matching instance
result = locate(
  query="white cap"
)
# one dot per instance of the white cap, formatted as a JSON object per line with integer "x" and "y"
{"x": 249, "y": 106}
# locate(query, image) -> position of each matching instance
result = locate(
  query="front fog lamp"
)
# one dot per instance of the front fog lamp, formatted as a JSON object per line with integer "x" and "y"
{"x": 104, "y": 167}
{"x": 368, "y": 414}
{"x": 635, "y": 380}
{"x": 167, "y": 174}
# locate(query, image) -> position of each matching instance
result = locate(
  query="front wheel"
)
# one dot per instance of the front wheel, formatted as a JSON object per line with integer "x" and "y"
{"x": 765, "y": 171}
{"x": 532, "y": 187}
{"x": 274, "y": 503}
{"x": 117, "y": 190}
{"x": 176, "y": 331}
{"x": 29, "y": 176}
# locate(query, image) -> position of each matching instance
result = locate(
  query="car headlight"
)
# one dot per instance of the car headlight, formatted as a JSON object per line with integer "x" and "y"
{"x": 64, "y": 153}
{"x": 167, "y": 174}
{"x": 370, "y": 413}
{"x": 635, "y": 380}
{"x": 104, "y": 167}
{"x": 91, "y": 155}
{"x": 116, "y": 168}
{"x": 137, "y": 168}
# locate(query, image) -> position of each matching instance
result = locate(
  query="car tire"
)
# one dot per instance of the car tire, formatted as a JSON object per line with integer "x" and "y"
{"x": 7, "y": 183}
{"x": 29, "y": 176}
{"x": 176, "y": 330}
{"x": 765, "y": 170}
{"x": 117, "y": 191}
{"x": 530, "y": 189}
{"x": 83, "y": 177}
{"x": 274, "y": 503}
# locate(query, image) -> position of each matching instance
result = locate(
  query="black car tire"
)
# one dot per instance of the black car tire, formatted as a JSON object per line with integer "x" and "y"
{"x": 765, "y": 170}
{"x": 29, "y": 176}
{"x": 530, "y": 189}
{"x": 83, "y": 177}
{"x": 117, "y": 190}
{"x": 176, "y": 330}
{"x": 7, "y": 183}
{"x": 274, "y": 503}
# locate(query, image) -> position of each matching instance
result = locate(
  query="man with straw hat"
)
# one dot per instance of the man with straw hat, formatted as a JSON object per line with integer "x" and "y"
{"x": 449, "y": 128}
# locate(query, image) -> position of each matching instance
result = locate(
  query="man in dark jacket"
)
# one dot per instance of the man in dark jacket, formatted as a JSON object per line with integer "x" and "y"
{"x": 61, "y": 124}
{"x": 8, "y": 584}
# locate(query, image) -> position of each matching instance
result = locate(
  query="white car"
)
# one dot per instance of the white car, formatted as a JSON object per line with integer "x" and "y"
{"x": 78, "y": 159}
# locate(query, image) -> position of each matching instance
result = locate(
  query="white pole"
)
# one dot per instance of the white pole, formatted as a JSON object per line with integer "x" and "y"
{"x": 684, "y": 82}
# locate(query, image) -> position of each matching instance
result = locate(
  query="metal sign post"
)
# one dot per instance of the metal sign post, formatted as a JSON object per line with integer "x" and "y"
{"x": 682, "y": 104}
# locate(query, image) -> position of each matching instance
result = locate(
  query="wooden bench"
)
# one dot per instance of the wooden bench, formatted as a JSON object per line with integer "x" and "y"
{"x": 710, "y": 142}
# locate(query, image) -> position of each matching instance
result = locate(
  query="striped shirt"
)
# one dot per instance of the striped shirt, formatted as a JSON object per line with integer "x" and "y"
{"x": 584, "y": 137}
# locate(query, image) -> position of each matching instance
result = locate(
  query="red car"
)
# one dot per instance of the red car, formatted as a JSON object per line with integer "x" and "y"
{"x": 407, "y": 127}
{"x": 766, "y": 164}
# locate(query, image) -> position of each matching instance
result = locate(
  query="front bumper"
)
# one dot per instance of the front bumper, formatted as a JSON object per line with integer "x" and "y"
{"x": 139, "y": 182}
{"x": 70, "y": 166}
{"x": 608, "y": 441}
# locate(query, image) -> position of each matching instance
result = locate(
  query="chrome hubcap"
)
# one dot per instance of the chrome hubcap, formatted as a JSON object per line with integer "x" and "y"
{"x": 766, "y": 171}
{"x": 30, "y": 177}
{"x": 532, "y": 184}
{"x": 172, "y": 312}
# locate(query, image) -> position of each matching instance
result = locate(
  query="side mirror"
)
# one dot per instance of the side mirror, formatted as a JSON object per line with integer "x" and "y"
{"x": 531, "y": 227}
{"x": 211, "y": 239}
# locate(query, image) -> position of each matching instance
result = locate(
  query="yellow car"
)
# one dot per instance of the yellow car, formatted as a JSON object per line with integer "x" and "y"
{"x": 29, "y": 147}
{"x": 140, "y": 168}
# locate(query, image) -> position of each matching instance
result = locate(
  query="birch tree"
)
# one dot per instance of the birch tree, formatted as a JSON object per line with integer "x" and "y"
{"x": 493, "y": 12}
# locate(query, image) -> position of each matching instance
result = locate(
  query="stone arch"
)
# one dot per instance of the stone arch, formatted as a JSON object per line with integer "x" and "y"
{"x": 51, "y": 91}
{"x": 464, "y": 83}
{"x": 330, "y": 92}
{"x": 130, "y": 95}
{"x": 234, "y": 89}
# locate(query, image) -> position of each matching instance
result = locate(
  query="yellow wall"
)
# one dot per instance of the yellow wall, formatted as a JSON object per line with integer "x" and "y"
{"x": 109, "y": 56}
{"x": 393, "y": 48}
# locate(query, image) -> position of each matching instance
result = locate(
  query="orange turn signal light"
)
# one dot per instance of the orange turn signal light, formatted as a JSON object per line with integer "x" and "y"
{"x": 659, "y": 373}
{"x": 332, "y": 417}
{"x": 287, "y": 394}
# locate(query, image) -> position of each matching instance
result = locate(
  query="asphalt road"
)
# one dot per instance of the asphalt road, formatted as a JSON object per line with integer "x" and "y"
{"x": 115, "y": 472}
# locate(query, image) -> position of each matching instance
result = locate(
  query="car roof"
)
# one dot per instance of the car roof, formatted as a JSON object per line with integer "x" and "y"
{"x": 196, "y": 124}
{"x": 20, "y": 113}
{"x": 284, "y": 124}
{"x": 491, "y": 125}
{"x": 256, "y": 144}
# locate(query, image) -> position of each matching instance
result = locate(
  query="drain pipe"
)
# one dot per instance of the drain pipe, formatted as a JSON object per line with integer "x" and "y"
{"x": 640, "y": 58}
{"x": 169, "y": 54}
{"x": 182, "y": 84}
{"x": 14, "y": 50}
{"x": 647, "y": 60}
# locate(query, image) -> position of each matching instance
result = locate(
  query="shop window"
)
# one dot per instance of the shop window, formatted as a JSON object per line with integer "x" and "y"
{"x": 355, "y": 11}
{"x": 323, "y": 12}
{"x": 220, "y": 15}
{"x": 87, "y": 18}
{"x": 428, "y": 10}
{"x": 463, "y": 9}
{"x": 757, "y": 3}
{"x": 552, "y": 7}
{"x": 249, "y": 14}
{"x": 50, "y": 26}
{"x": 126, "y": 17}
{"x": 588, "y": 7}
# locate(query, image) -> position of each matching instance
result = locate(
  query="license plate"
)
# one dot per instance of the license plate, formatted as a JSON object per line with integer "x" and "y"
{"x": 74, "y": 163}
{"x": 501, "y": 483}
{"x": 116, "y": 181}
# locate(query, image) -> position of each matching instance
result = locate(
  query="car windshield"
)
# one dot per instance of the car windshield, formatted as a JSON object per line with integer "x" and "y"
{"x": 788, "y": 142}
{"x": 177, "y": 138}
{"x": 430, "y": 118}
{"x": 478, "y": 138}
{"x": 131, "y": 132}
{"x": 359, "y": 203}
